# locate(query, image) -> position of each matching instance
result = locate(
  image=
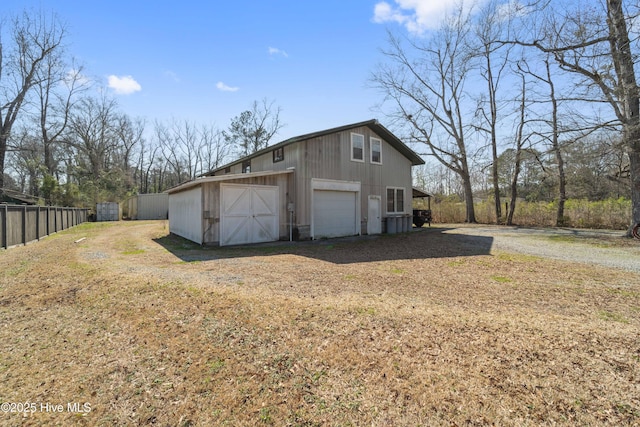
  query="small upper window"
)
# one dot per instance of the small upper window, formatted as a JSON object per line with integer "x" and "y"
{"x": 246, "y": 166}
{"x": 278, "y": 155}
{"x": 376, "y": 150}
{"x": 357, "y": 147}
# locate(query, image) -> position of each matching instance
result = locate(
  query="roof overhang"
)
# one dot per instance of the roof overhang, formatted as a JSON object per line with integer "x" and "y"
{"x": 222, "y": 178}
{"x": 417, "y": 193}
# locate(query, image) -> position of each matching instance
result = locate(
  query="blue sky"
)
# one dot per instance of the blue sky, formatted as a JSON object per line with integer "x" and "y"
{"x": 207, "y": 61}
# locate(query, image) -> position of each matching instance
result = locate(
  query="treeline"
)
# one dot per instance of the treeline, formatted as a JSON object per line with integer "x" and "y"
{"x": 64, "y": 139}
{"x": 596, "y": 170}
{"x": 103, "y": 154}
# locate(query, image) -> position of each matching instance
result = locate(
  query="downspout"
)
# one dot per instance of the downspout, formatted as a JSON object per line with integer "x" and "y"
{"x": 291, "y": 204}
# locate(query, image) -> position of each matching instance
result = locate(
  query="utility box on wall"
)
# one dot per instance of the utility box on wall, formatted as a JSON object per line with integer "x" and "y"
{"x": 108, "y": 211}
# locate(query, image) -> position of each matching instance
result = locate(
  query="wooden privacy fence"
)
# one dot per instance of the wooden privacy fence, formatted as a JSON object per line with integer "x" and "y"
{"x": 20, "y": 225}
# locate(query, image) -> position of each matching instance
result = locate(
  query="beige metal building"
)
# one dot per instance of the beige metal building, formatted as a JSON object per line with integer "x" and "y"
{"x": 337, "y": 182}
{"x": 147, "y": 206}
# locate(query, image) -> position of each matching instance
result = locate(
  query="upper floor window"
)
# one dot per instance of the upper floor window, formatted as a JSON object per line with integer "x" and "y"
{"x": 246, "y": 166}
{"x": 278, "y": 154}
{"x": 395, "y": 200}
{"x": 357, "y": 147}
{"x": 376, "y": 150}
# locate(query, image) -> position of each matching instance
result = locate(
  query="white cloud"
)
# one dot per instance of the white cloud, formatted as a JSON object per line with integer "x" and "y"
{"x": 417, "y": 16}
{"x": 124, "y": 85}
{"x": 224, "y": 88}
{"x": 275, "y": 51}
{"x": 383, "y": 12}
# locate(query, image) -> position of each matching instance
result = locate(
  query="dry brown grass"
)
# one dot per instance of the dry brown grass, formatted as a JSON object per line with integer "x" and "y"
{"x": 398, "y": 330}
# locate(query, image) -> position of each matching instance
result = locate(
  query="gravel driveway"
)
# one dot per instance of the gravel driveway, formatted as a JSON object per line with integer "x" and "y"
{"x": 603, "y": 247}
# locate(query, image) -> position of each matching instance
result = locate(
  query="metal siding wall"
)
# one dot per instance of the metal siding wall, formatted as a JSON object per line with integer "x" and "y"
{"x": 133, "y": 207}
{"x": 329, "y": 157}
{"x": 264, "y": 162}
{"x": 152, "y": 206}
{"x": 396, "y": 173}
{"x": 185, "y": 214}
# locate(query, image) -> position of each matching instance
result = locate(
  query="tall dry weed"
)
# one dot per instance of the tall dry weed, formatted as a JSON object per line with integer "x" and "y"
{"x": 579, "y": 213}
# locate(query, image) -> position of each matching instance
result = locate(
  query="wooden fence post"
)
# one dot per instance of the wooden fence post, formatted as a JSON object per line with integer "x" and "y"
{"x": 24, "y": 224}
{"x": 38, "y": 223}
{"x": 5, "y": 228}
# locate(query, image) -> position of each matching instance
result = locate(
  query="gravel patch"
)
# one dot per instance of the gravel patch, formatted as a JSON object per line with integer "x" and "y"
{"x": 607, "y": 248}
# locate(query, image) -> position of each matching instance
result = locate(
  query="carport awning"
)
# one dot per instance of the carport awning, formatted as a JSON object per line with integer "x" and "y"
{"x": 417, "y": 193}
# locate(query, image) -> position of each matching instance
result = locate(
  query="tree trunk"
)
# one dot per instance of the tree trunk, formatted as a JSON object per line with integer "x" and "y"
{"x": 630, "y": 93}
{"x": 514, "y": 187}
{"x": 3, "y": 151}
{"x": 562, "y": 187}
{"x": 468, "y": 200}
{"x": 496, "y": 183}
{"x": 518, "y": 157}
{"x": 555, "y": 144}
{"x": 494, "y": 140}
{"x": 634, "y": 168}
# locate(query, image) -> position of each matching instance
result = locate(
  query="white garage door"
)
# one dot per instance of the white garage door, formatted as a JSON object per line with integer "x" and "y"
{"x": 334, "y": 213}
{"x": 249, "y": 214}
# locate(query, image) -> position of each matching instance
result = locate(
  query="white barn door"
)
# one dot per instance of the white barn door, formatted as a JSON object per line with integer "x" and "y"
{"x": 249, "y": 214}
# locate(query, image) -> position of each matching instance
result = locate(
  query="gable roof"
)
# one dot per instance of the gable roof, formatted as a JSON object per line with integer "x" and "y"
{"x": 373, "y": 124}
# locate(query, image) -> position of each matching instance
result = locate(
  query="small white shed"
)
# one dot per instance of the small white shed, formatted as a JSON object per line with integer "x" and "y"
{"x": 233, "y": 209}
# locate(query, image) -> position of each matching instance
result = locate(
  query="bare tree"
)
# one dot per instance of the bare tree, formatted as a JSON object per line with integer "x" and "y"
{"x": 492, "y": 26}
{"x": 426, "y": 86}
{"x": 170, "y": 152}
{"x": 215, "y": 148}
{"x": 253, "y": 129}
{"x": 57, "y": 88}
{"x": 129, "y": 134}
{"x": 519, "y": 143}
{"x": 595, "y": 45}
{"x": 92, "y": 135}
{"x": 146, "y": 160}
{"x": 553, "y": 135}
{"x": 33, "y": 40}
{"x": 182, "y": 146}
